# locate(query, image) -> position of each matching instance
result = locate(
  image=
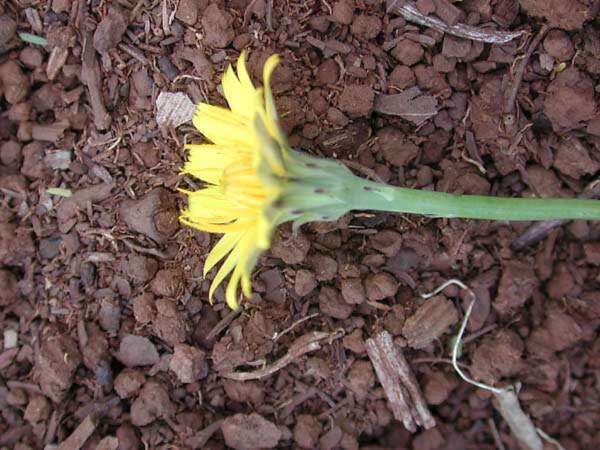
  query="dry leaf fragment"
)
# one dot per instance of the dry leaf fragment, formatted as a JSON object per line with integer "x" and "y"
{"x": 174, "y": 109}
{"x": 410, "y": 105}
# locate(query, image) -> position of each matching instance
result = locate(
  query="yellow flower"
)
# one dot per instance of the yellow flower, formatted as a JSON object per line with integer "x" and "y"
{"x": 237, "y": 198}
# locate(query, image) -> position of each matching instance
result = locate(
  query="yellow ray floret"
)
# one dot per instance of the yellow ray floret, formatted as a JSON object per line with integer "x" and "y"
{"x": 236, "y": 197}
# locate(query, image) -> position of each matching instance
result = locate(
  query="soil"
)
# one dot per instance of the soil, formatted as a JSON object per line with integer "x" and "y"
{"x": 108, "y": 337}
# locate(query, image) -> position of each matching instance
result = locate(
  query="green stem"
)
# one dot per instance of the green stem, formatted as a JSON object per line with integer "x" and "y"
{"x": 366, "y": 195}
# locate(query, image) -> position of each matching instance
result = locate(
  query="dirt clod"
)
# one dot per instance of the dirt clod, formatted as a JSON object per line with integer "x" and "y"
{"x": 57, "y": 361}
{"x": 110, "y": 30}
{"x": 380, "y": 286}
{"x": 356, "y": 100}
{"x": 152, "y": 403}
{"x": 497, "y": 356}
{"x": 137, "y": 351}
{"x": 307, "y": 431}
{"x": 516, "y": 286}
{"x": 217, "y": 27}
{"x": 188, "y": 363}
{"x": 128, "y": 382}
{"x": 250, "y": 432}
{"x": 332, "y": 304}
{"x": 38, "y": 409}
{"x": 154, "y": 215}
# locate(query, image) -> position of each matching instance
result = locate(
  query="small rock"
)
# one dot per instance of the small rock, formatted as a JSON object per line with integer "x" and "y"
{"x": 592, "y": 253}
{"x": 31, "y": 57}
{"x": 570, "y": 100}
{"x": 387, "y": 242}
{"x": 430, "y": 439}
{"x": 366, "y": 26}
{"x": 140, "y": 269}
{"x": 558, "y": 45}
{"x": 307, "y": 431}
{"x": 394, "y": 320}
{"x": 109, "y": 315}
{"x": 497, "y": 356}
{"x": 516, "y": 286}
{"x": 38, "y": 409}
{"x": 128, "y": 382}
{"x": 110, "y": 30}
{"x": 357, "y": 100}
{"x": 187, "y": 12}
{"x": 558, "y": 332}
{"x": 573, "y": 158}
{"x": 426, "y": 6}
{"x": 10, "y": 153}
{"x": 561, "y": 283}
{"x": 9, "y": 289}
{"x": 305, "y": 282}
{"x": 353, "y": 291}
{"x": 431, "y": 320}
{"x": 244, "y": 391}
{"x": 408, "y": 52}
{"x": 343, "y": 12}
{"x": 218, "y": 27}
{"x": 168, "y": 282}
{"x": 361, "y": 378}
{"x": 14, "y": 82}
{"x": 153, "y": 403}
{"x": 8, "y": 29}
{"x": 328, "y": 72}
{"x": 291, "y": 249}
{"x": 438, "y": 387}
{"x": 395, "y": 147}
{"x": 402, "y": 77}
{"x": 56, "y": 363}
{"x": 188, "y": 363}
{"x": 249, "y": 432}
{"x": 170, "y": 324}
{"x": 137, "y": 351}
{"x": 332, "y": 304}
{"x": 331, "y": 439}
{"x": 380, "y": 286}
{"x": 153, "y": 215}
{"x": 454, "y": 47}
{"x": 355, "y": 342}
{"x": 325, "y": 267}
{"x": 144, "y": 309}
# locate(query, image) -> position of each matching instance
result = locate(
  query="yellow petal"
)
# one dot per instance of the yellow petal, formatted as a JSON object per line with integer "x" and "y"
{"x": 231, "y": 293}
{"x": 242, "y": 99}
{"x": 242, "y": 71}
{"x": 268, "y": 69}
{"x": 221, "y": 248}
{"x": 224, "y": 127}
{"x": 208, "y": 161}
{"x": 224, "y": 270}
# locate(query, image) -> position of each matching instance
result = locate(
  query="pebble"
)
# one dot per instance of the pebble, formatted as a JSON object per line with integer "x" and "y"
{"x": 249, "y": 432}
{"x": 137, "y": 351}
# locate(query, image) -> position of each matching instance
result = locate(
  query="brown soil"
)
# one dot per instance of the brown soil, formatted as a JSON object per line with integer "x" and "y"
{"x": 116, "y": 344}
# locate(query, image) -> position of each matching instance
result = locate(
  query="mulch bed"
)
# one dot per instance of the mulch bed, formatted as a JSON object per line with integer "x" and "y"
{"x": 108, "y": 338}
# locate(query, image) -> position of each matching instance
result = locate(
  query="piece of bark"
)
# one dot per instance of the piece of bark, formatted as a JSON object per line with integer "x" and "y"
{"x": 404, "y": 394}
{"x": 410, "y": 105}
{"x": 81, "y": 434}
{"x": 91, "y": 77}
{"x": 409, "y": 11}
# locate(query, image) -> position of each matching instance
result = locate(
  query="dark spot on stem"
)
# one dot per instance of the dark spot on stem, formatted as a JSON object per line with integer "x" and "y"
{"x": 324, "y": 217}
{"x": 319, "y": 190}
{"x": 311, "y": 165}
{"x": 367, "y": 188}
{"x": 297, "y": 212}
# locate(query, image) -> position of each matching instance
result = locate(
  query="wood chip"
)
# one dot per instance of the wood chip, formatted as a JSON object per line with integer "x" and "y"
{"x": 410, "y": 105}
{"x": 404, "y": 394}
{"x": 409, "y": 11}
{"x": 92, "y": 78}
{"x": 174, "y": 109}
{"x": 81, "y": 434}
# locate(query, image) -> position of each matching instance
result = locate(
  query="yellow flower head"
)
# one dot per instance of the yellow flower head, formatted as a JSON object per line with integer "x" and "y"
{"x": 236, "y": 198}
{"x": 254, "y": 181}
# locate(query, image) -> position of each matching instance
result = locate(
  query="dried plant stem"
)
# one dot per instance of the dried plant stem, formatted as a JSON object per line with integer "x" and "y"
{"x": 409, "y": 11}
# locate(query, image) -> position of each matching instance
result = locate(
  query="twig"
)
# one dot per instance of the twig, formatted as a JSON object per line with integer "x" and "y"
{"x": 81, "y": 434}
{"x": 278, "y": 334}
{"x": 309, "y": 342}
{"x": 409, "y": 11}
{"x": 140, "y": 249}
{"x": 222, "y": 324}
{"x": 200, "y": 439}
{"x": 400, "y": 386}
{"x": 509, "y": 106}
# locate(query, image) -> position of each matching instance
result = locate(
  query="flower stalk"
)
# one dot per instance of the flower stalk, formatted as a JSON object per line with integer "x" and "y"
{"x": 254, "y": 182}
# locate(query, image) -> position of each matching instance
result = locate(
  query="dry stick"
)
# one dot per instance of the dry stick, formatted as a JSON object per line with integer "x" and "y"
{"x": 507, "y": 402}
{"x": 410, "y": 12}
{"x": 400, "y": 386}
{"x": 509, "y": 107}
{"x": 540, "y": 230}
{"x": 309, "y": 342}
{"x": 81, "y": 434}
